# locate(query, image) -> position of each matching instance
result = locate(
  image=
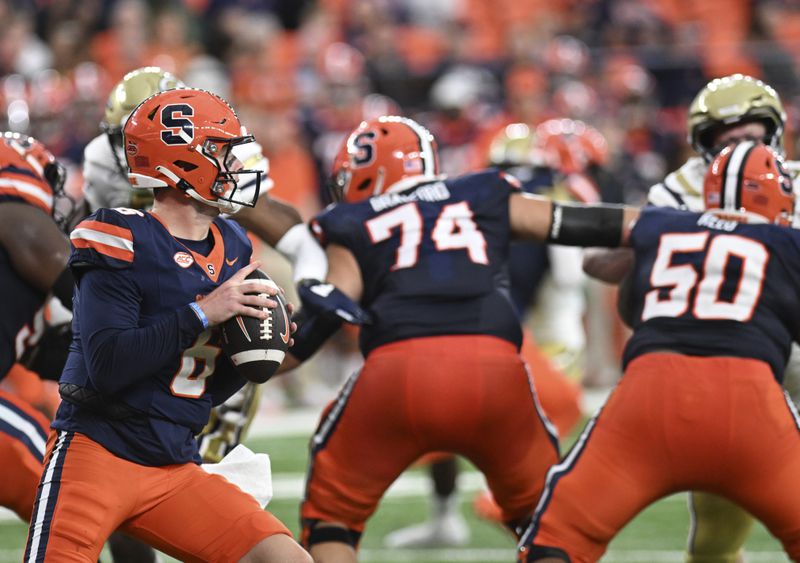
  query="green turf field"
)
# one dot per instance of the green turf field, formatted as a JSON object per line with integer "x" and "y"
{"x": 657, "y": 535}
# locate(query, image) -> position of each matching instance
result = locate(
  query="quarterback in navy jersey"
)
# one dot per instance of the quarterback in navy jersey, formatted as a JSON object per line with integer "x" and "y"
{"x": 426, "y": 257}
{"x": 144, "y": 367}
{"x": 135, "y": 270}
{"x": 714, "y": 308}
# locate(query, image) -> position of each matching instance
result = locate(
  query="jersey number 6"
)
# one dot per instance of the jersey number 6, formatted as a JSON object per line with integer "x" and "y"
{"x": 454, "y": 230}
{"x": 197, "y": 363}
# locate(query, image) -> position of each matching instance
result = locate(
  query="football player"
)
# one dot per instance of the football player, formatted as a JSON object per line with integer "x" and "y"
{"x": 426, "y": 257}
{"x": 33, "y": 264}
{"x": 145, "y": 367}
{"x": 713, "y": 303}
{"x": 727, "y": 110}
{"x": 559, "y": 158}
{"x": 278, "y": 224}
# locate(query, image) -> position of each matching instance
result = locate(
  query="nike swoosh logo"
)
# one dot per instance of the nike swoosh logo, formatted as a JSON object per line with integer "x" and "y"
{"x": 231, "y": 262}
{"x": 285, "y": 336}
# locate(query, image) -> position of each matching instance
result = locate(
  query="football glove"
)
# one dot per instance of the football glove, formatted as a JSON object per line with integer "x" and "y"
{"x": 325, "y": 299}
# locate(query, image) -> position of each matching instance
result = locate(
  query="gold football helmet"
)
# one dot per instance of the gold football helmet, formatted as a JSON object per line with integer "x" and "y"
{"x": 134, "y": 87}
{"x": 731, "y": 100}
{"x": 516, "y": 145}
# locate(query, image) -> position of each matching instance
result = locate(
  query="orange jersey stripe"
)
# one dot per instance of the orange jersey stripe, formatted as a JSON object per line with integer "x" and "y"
{"x": 106, "y": 249}
{"x": 33, "y": 200}
{"x": 114, "y": 230}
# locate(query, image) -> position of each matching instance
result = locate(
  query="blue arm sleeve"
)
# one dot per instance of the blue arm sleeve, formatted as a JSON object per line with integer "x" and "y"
{"x": 118, "y": 352}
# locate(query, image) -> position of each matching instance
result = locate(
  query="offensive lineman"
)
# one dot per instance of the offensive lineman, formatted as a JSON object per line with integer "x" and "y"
{"x": 727, "y": 110}
{"x": 713, "y": 302}
{"x": 426, "y": 257}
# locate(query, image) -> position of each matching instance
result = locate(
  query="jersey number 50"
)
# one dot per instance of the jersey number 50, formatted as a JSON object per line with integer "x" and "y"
{"x": 454, "y": 229}
{"x": 683, "y": 278}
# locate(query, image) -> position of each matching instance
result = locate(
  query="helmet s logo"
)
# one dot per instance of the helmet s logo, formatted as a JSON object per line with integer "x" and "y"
{"x": 364, "y": 145}
{"x": 179, "y": 129}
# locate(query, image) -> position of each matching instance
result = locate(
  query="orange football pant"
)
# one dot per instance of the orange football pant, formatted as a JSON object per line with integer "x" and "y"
{"x": 677, "y": 423}
{"x": 470, "y": 395}
{"x": 23, "y": 436}
{"x": 86, "y": 493}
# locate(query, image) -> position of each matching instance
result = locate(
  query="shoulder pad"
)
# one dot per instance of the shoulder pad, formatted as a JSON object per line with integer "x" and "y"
{"x": 19, "y": 186}
{"x": 681, "y": 189}
{"x": 321, "y": 225}
{"x": 99, "y": 151}
{"x": 104, "y": 239}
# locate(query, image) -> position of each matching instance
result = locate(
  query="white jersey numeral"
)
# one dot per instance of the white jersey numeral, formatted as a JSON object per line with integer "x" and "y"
{"x": 754, "y": 256}
{"x": 681, "y": 279}
{"x": 197, "y": 363}
{"x": 29, "y": 335}
{"x": 454, "y": 230}
{"x": 408, "y": 219}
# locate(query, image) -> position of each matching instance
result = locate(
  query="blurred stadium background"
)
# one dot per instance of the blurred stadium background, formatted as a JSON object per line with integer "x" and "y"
{"x": 302, "y": 73}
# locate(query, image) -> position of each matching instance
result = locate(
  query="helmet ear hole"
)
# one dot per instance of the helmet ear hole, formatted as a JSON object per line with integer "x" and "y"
{"x": 185, "y": 166}
{"x": 364, "y": 184}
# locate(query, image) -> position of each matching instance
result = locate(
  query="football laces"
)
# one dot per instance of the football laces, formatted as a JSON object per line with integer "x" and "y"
{"x": 265, "y": 332}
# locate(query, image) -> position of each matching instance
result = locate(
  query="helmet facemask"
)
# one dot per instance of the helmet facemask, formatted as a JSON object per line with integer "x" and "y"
{"x": 192, "y": 140}
{"x": 234, "y": 186}
{"x": 64, "y": 205}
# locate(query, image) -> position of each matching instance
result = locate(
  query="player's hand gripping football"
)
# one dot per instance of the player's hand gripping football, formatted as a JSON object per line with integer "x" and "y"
{"x": 238, "y": 296}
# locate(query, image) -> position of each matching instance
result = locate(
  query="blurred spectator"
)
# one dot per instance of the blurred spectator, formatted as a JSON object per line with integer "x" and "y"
{"x": 628, "y": 67}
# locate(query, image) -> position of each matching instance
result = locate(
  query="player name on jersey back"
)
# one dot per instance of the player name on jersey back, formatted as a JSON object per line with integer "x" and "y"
{"x": 431, "y": 192}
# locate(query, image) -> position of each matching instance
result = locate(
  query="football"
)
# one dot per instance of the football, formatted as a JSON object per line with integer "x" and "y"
{"x": 257, "y": 347}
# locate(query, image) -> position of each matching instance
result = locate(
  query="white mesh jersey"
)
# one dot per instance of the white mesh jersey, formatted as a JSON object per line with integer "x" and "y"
{"x": 105, "y": 185}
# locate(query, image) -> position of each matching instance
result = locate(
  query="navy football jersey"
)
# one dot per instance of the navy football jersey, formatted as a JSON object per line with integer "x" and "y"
{"x": 128, "y": 260}
{"x": 22, "y": 319}
{"x": 433, "y": 258}
{"x": 706, "y": 286}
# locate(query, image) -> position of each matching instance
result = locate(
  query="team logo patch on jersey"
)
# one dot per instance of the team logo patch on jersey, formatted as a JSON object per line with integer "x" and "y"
{"x": 183, "y": 259}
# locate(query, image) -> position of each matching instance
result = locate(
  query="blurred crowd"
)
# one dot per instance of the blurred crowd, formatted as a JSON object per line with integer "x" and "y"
{"x": 302, "y": 72}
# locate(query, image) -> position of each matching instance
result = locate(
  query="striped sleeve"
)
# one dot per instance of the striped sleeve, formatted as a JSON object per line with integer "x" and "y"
{"x": 28, "y": 189}
{"x": 103, "y": 239}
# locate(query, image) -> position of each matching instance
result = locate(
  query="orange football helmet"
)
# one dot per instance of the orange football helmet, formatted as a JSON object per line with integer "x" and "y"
{"x": 29, "y": 171}
{"x": 572, "y": 146}
{"x": 750, "y": 179}
{"x": 192, "y": 140}
{"x": 386, "y": 154}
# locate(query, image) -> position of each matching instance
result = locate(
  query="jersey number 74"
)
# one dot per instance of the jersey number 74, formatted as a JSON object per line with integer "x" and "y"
{"x": 454, "y": 229}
